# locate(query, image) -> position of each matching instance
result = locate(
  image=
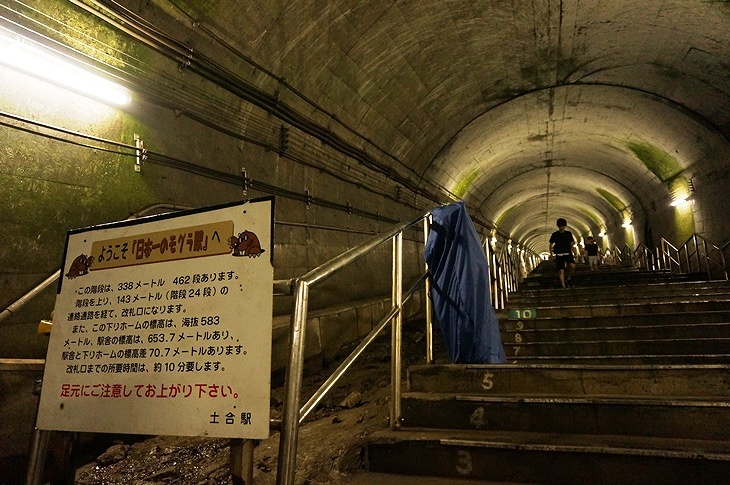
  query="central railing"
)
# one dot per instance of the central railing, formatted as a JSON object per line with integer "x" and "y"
{"x": 696, "y": 256}
{"x": 293, "y": 415}
{"x": 507, "y": 267}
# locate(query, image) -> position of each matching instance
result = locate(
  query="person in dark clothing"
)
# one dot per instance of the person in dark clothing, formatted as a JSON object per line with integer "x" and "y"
{"x": 592, "y": 250}
{"x": 562, "y": 245}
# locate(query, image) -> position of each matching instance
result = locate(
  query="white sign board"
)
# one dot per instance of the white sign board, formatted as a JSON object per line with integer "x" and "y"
{"x": 163, "y": 326}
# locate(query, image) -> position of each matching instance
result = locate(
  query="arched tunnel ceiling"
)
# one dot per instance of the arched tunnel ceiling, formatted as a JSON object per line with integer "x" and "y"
{"x": 529, "y": 110}
{"x": 582, "y": 146}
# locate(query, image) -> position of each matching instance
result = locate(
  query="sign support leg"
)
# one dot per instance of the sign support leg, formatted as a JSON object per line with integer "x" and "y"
{"x": 242, "y": 461}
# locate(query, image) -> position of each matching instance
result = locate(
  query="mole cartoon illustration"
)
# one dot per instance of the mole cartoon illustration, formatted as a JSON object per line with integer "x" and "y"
{"x": 245, "y": 244}
{"x": 79, "y": 266}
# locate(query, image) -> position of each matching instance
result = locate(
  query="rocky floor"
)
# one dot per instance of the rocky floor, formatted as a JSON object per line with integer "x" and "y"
{"x": 330, "y": 445}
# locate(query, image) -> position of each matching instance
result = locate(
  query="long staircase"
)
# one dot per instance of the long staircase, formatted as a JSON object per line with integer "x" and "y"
{"x": 623, "y": 379}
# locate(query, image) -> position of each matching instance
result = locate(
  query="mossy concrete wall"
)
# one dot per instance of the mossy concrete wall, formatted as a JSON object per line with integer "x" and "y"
{"x": 51, "y": 184}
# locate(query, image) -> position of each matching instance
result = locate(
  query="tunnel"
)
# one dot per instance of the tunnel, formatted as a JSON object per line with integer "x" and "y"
{"x": 356, "y": 116}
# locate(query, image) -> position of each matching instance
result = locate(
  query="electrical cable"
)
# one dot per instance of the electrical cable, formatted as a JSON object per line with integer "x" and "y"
{"x": 218, "y": 74}
{"x": 211, "y": 110}
{"x": 192, "y": 104}
{"x": 182, "y": 165}
{"x": 216, "y": 37}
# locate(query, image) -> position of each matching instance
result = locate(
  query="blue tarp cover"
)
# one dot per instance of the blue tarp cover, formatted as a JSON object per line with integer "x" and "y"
{"x": 460, "y": 288}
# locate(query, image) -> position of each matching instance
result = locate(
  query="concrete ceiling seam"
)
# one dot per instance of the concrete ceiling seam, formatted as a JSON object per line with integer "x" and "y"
{"x": 493, "y": 102}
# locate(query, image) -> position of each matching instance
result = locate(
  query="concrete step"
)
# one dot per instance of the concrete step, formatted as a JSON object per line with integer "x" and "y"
{"x": 606, "y": 384}
{"x": 373, "y": 478}
{"x": 653, "y": 346}
{"x": 645, "y": 308}
{"x": 576, "y": 380}
{"x": 549, "y": 458}
{"x": 528, "y": 458}
{"x": 623, "y": 332}
{"x": 630, "y": 293}
{"x": 666, "y": 417}
{"x": 549, "y": 270}
{"x": 550, "y": 280}
{"x": 589, "y": 321}
{"x": 622, "y": 359}
{"x": 577, "y": 296}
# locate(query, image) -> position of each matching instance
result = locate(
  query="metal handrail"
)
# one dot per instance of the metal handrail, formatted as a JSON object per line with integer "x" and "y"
{"x": 643, "y": 258}
{"x": 23, "y": 300}
{"x": 612, "y": 256}
{"x": 506, "y": 270}
{"x": 622, "y": 256}
{"x": 292, "y": 413}
{"x": 696, "y": 255}
{"x": 504, "y": 275}
{"x": 312, "y": 403}
{"x": 669, "y": 256}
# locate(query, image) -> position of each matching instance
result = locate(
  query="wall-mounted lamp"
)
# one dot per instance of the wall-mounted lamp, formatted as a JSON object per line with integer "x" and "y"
{"x": 626, "y": 224}
{"x": 602, "y": 233}
{"x": 20, "y": 54}
{"x": 680, "y": 190}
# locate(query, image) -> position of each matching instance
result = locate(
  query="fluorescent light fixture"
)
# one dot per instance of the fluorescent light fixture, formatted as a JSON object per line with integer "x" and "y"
{"x": 19, "y": 54}
{"x": 678, "y": 202}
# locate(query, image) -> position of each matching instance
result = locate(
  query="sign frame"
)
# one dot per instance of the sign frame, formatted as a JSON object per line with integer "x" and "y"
{"x": 163, "y": 326}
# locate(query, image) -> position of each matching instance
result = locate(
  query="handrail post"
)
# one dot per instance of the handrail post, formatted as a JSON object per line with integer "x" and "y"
{"x": 290, "y": 416}
{"x": 397, "y": 302}
{"x": 492, "y": 270}
{"x": 36, "y": 462}
{"x": 427, "y": 289}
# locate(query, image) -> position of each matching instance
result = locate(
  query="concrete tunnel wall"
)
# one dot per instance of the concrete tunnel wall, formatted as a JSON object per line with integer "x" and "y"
{"x": 359, "y": 115}
{"x": 52, "y": 187}
{"x": 362, "y": 116}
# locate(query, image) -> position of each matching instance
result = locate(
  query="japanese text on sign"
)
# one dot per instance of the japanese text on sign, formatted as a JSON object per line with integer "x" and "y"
{"x": 183, "y": 243}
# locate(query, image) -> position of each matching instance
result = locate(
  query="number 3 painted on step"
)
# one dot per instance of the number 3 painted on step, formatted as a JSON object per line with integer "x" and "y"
{"x": 463, "y": 463}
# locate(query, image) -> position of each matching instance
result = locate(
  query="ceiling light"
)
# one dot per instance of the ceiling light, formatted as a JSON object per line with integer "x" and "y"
{"x": 20, "y": 54}
{"x": 678, "y": 202}
{"x": 626, "y": 224}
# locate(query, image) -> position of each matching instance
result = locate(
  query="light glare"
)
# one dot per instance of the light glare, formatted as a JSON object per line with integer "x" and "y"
{"x": 23, "y": 57}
